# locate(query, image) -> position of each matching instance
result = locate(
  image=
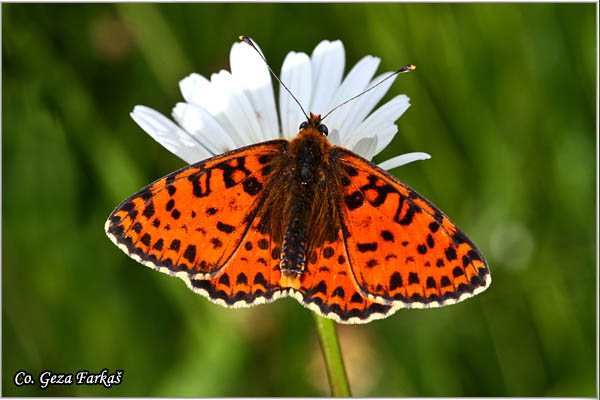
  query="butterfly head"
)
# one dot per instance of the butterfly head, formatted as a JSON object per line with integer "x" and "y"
{"x": 315, "y": 122}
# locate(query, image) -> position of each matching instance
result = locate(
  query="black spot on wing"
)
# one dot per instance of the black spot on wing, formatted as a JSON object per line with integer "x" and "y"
{"x": 473, "y": 255}
{"x": 353, "y": 200}
{"x": 466, "y": 261}
{"x": 128, "y": 207}
{"x": 170, "y": 205}
{"x": 149, "y": 210}
{"x": 190, "y": 253}
{"x": 252, "y": 186}
{"x": 408, "y": 216}
{"x": 145, "y": 239}
{"x": 382, "y": 190}
{"x": 211, "y": 211}
{"x": 365, "y": 247}
{"x": 445, "y": 282}
{"x": 241, "y": 279}
{"x": 137, "y": 227}
{"x": 145, "y": 194}
{"x": 395, "y": 281}
{"x": 338, "y": 292}
{"x": 450, "y": 253}
{"x": 387, "y": 236}
{"x": 356, "y": 298}
{"x": 430, "y": 241}
{"x": 200, "y": 183}
{"x": 224, "y": 227}
{"x": 224, "y": 279}
{"x": 175, "y": 245}
{"x": 260, "y": 280}
{"x": 413, "y": 278}
{"x": 264, "y": 159}
{"x": 158, "y": 245}
{"x": 320, "y": 288}
{"x": 431, "y": 283}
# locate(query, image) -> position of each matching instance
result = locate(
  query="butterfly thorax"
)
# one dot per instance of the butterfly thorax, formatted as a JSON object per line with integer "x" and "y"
{"x": 303, "y": 202}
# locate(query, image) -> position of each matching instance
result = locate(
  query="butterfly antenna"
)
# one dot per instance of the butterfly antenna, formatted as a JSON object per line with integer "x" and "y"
{"x": 249, "y": 41}
{"x": 406, "y": 68}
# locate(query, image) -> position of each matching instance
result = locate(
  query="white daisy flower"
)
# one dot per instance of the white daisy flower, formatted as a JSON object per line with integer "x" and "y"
{"x": 237, "y": 108}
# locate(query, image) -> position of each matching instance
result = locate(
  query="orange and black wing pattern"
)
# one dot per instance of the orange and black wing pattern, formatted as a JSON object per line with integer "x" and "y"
{"x": 329, "y": 288}
{"x": 402, "y": 250}
{"x": 394, "y": 250}
{"x": 199, "y": 224}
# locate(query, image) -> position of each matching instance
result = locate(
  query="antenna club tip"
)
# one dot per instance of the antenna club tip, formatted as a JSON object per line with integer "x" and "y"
{"x": 407, "y": 68}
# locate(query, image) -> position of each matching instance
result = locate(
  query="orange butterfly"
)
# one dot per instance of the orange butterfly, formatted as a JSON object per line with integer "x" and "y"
{"x": 300, "y": 218}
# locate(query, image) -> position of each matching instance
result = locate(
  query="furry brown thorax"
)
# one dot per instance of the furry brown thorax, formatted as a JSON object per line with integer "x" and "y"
{"x": 302, "y": 197}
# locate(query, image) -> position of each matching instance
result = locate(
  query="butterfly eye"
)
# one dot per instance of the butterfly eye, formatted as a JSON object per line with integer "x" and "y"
{"x": 323, "y": 129}
{"x": 304, "y": 125}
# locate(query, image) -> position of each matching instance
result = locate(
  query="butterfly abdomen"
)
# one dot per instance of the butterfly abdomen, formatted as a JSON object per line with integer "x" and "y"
{"x": 308, "y": 211}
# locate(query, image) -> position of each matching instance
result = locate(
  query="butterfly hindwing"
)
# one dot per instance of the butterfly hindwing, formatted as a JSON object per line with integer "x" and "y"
{"x": 191, "y": 223}
{"x": 250, "y": 277}
{"x": 328, "y": 287}
{"x": 402, "y": 250}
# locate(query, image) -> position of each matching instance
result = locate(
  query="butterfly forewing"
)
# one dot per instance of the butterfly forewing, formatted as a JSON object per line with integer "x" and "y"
{"x": 402, "y": 249}
{"x": 193, "y": 221}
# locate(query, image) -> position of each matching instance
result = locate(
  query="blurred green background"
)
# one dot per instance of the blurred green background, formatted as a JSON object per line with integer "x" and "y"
{"x": 503, "y": 99}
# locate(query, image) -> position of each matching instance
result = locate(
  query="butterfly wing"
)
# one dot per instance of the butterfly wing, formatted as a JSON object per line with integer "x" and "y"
{"x": 250, "y": 277}
{"x": 199, "y": 223}
{"x": 402, "y": 251}
{"x": 329, "y": 288}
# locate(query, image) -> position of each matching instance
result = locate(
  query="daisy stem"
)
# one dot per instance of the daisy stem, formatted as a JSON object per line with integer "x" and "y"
{"x": 332, "y": 354}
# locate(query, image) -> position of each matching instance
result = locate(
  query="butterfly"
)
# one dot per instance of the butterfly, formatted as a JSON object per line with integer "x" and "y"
{"x": 300, "y": 218}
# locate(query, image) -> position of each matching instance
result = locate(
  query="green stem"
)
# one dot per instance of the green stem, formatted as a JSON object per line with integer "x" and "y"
{"x": 332, "y": 354}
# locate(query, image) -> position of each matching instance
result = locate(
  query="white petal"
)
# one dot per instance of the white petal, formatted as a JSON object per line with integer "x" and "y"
{"x": 382, "y": 123}
{"x": 362, "y": 106}
{"x": 227, "y": 103}
{"x": 202, "y": 126}
{"x": 334, "y": 138}
{"x": 168, "y": 134}
{"x": 385, "y": 134}
{"x": 214, "y": 98}
{"x": 193, "y": 88}
{"x": 252, "y": 75}
{"x": 296, "y": 75}
{"x": 366, "y": 147}
{"x": 239, "y": 111}
{"x": 403, "y": 159}
{"x": 328, "y": 60}
{"x": 355, "y": 82}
